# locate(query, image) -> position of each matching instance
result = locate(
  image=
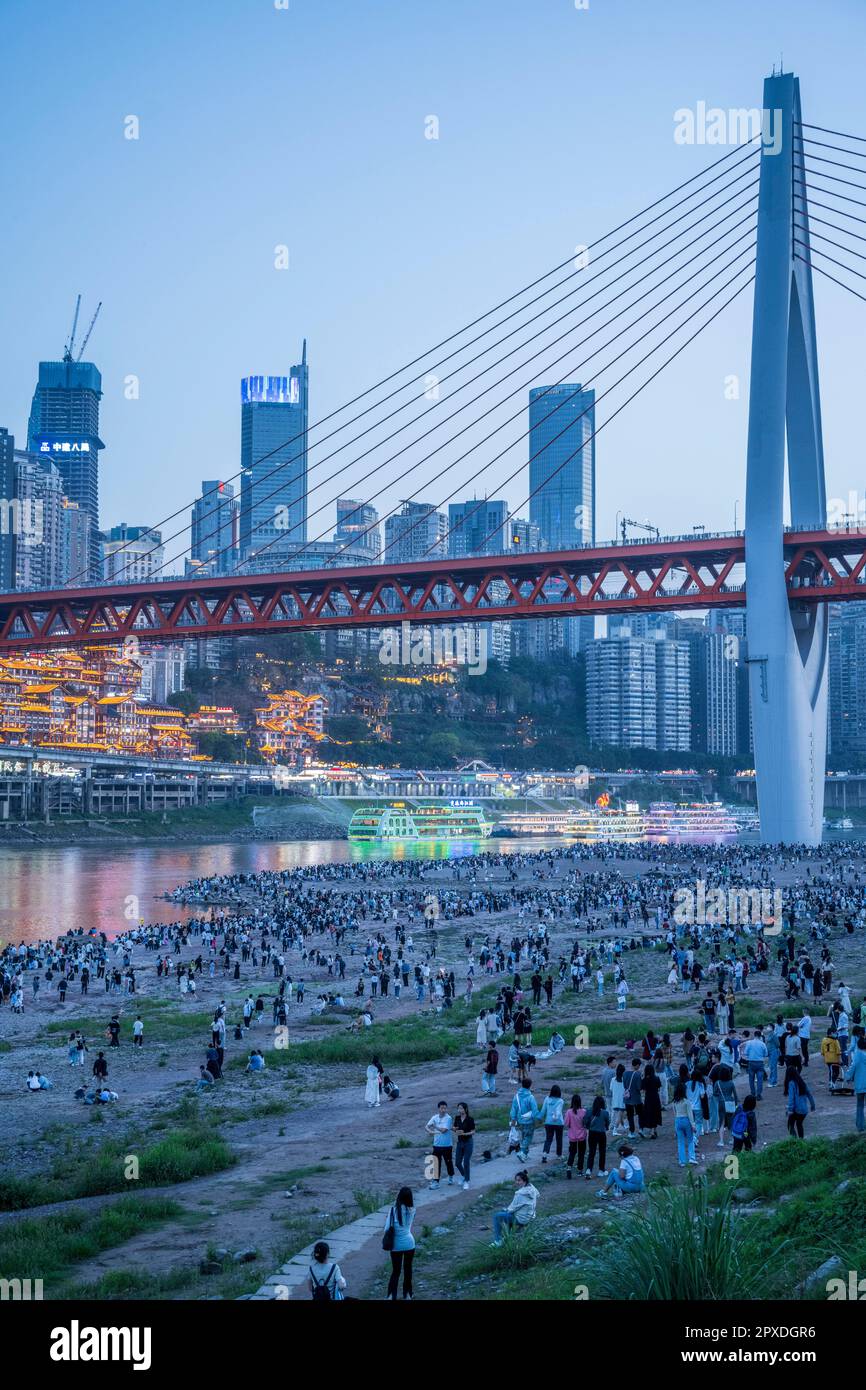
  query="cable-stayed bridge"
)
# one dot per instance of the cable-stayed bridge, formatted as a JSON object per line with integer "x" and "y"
{"x": 757, "y": 219}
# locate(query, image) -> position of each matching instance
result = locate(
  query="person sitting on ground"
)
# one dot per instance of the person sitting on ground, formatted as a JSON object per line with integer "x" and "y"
{"x": 256, "y": 1061}
{"x": 628, "y": 1177}
{"x": 32, "y": 1082}
{"x": 520, "y": 1210}
{"x": 205, "y": 1079}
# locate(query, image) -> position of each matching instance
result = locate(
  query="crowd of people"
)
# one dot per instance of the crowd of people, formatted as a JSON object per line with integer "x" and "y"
{"x": 541, "y": 928}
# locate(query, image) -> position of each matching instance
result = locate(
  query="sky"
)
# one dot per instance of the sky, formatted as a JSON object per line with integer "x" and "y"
{"x": 306, "y": 127}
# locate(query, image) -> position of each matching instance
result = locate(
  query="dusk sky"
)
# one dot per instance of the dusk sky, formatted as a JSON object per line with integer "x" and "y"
{"x": 305, "y": 127}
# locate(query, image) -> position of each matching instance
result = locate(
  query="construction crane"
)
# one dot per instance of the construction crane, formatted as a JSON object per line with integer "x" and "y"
{"x": 638, "y": 526}
{"x": 68, "y": 350}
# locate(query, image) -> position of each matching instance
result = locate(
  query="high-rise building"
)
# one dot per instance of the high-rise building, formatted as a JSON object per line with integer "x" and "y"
{"x": 357, "y": 529}
{"x": 846, "y": 716}
{"x": 715, "y": 692}
{"x": 416, "y": 532}
{"x": 132, "y": 554}
{"x": 621, "y": 704}
{"x": 274, "y": 425}
{"x": 478, "y": 527}
{"x": 39, "y": 493}
{"x": 64, "y": 426}
{"x": 562, "y": 464}
{"x": 213, "y": 533}
{"x": 524, "y": 537}
{"x": 75, "y": 529}
{"x": 673, "y": 692}
{"x": 8, "y": 511}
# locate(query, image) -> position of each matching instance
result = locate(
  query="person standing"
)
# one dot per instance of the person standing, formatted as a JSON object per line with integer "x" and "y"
{"x": 856, "y": 1074}
{"x": 597, "y": 1126}
{"x": 401, "y": 1217}
{"x": 575, "y": 1128}
{"x": 524, "y": 1113}
{"x": 633, "y": 1107}
{"x": 488, "y": 1074}
{"x": 441, "y": 1127}
{"x": 755, "y": 1053}
{"x": 464, "y": 1128}
{"x": 804, "y": 1029}
{"x": 371, "y": 1089}
{"x": 138, "y": 1032}
{"x": 651, "y": 1108}
{"x": 551, "y": 1116}
{"x": 799, "y": 1101}
{"x": 684, "y": 1126}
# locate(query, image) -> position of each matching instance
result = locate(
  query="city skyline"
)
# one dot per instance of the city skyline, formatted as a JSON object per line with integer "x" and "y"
{"x": 355, "y": 287}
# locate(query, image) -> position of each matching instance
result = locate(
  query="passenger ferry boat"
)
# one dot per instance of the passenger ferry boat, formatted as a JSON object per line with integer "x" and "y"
{"x": 425, "y": 821}
{"x": 589, "y": 826}
{"x": 696, "y": 820}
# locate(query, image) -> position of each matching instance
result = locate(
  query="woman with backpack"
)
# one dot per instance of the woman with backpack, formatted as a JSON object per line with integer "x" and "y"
{"x": 799, "y": 1101}
{"x": 399, "y": 1241}
{"x": 744, "y": 1125}
{"x": 326, "y": 1281}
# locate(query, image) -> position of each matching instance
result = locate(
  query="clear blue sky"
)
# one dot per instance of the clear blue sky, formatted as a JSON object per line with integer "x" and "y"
{"x": 261, "y": 126}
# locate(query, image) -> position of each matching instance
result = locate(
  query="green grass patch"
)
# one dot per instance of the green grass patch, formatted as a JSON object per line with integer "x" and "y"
{"x": 46, "y": 1247}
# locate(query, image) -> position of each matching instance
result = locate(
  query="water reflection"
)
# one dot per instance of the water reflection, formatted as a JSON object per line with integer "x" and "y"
{"x": 46, "y": 892}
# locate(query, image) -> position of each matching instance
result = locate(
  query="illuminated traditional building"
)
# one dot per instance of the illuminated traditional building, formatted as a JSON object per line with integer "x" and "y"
{"x": 289, "y": 724}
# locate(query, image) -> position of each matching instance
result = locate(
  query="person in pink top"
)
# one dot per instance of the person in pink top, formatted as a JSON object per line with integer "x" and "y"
{"x": 575, "y": 1128}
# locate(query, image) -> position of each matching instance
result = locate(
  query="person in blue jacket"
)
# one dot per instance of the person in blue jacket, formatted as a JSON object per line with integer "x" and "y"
{"x": 856, "y": 1074}
{"x": 524, "y": 1113}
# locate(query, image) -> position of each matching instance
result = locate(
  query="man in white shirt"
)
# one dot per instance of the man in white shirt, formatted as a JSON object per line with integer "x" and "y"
{"x": 754, "y": 1053}
{"x": 804, "y": 1029}
{"x": 440, "y": 1126}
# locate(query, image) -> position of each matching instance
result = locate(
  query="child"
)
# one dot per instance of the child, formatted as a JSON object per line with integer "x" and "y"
{"x": 514, "y": 1140}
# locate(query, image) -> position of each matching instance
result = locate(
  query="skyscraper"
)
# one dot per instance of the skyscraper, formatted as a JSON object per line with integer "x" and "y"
{"x": 213, "y": 538}
{"x": 621, "y": 703}
{"x": 64, "y": 426}
{"x": 132, "y": 554}
{"x": 357, "y": 529}
{"x": 416, "y": 532}
{"x": 274, "y": 423}
{"x": 478, "y": 527}
{"x": 8, "y": 511}
{"x": 562, "y": 464}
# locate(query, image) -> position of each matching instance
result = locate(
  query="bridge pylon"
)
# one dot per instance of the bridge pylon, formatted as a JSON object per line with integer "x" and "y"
{"x": 787, "y": 643}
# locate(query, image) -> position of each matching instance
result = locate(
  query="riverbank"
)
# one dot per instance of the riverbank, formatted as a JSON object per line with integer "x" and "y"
{"x": 231, "y": 1185}
{"x": 249, "y": 820}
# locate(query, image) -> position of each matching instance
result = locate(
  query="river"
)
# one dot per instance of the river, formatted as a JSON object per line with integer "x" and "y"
{"x": 47, "y": 892}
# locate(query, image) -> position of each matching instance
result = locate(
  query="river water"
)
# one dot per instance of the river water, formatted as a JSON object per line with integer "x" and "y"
{"x": 46, "y": 892}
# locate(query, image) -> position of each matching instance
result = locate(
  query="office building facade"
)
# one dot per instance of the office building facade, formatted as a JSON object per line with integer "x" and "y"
{"x": 8, "y": 511}
{"x": 274, "y": 429}
{"x": 213, "y": 529}
{"x": 416, "y": 532}
{"x": 64, "y": 428}
{"x": 562, "y": 464}
{"x": 479, "y": 527}
{"x": 357, "y": 530}
{"x": 132, "y": 555}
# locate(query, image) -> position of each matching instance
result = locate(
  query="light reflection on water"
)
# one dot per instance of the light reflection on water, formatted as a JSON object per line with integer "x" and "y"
{"x": 47, "y": 892}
